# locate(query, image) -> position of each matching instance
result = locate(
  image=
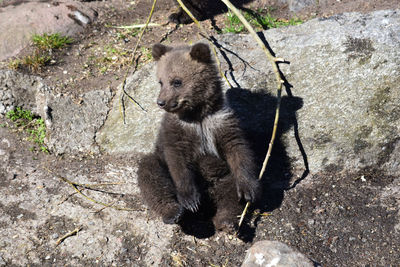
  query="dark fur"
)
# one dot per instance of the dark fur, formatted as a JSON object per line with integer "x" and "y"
{"x": 200, "y": 148}
{"x": 202, "y": 9}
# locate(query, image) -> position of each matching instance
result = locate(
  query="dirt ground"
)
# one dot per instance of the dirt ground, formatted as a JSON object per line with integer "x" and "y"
{"x": 341, "y": 219}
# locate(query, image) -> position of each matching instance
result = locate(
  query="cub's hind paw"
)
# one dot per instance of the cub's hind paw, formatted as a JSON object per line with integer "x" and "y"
{"x": 227, "y": 225}
{"x": 173, "y": 214}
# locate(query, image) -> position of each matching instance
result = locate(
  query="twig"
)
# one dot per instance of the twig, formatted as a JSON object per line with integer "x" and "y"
{"x": 89, "y": 187}
{"x": 74, "y": 232}
{"x": 136, "y": 26}
{"x": 109, "y": 205}
{"x": 279, "y": 82}
{"x": 203, "y": 31}
{"x": 133, "y": 58}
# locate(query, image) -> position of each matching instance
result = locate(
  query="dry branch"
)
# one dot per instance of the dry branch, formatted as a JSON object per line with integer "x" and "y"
{"x": 132, "y": 60}
{"x": 72, "y": 233}
{"x": 75, "y": 186}
{"x": 279, "y": 82}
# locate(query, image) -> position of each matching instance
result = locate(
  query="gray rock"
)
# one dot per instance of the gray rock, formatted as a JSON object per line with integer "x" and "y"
{"x": 20, "y": 20}
{"x": 139, "y": 130}
{"x": 71, "y": 124}
{"x": 18, "y": 90}
{"x": 274, "y": 253}
{"x": 344, "y": 72}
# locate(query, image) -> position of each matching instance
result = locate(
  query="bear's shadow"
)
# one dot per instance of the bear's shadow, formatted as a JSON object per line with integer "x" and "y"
{"x": 256, "y": 113}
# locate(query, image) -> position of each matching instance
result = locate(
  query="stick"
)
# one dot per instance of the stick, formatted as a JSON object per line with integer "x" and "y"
{"x": 136, "y": 26}
{"x": 75, "y": 186}
{"x": 74, "y": 232}
{"x": 279, "y": 82}
{"x": 133, "y": 58}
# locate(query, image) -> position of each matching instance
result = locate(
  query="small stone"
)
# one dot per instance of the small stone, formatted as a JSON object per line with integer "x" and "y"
{"x": 274, "y": 253}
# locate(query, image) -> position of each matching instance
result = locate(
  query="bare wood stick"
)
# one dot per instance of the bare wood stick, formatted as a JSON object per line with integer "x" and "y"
{"x": 75, "y": 186}
{"x": 133, "y": 58}
{"x": 109, "y": 205}
{"x": 135, "y": 26}
{"x": 74, "y": 232}
{"x": 279, "y": 82}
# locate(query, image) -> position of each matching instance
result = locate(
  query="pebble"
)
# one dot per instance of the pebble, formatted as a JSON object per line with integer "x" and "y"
{"x": 274, "y": 253}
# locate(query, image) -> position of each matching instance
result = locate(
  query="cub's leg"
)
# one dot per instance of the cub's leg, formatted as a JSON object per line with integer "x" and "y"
{"x": 222, "y": 190}
{"x": 227, "y": 203}
{"x": 158, "y": 190}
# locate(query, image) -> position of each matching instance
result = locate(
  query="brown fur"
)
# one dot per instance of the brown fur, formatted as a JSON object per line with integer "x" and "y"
{"x": 199, "y": 142}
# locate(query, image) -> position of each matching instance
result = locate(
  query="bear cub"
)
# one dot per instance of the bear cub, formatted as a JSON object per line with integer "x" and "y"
{"x": 201, "y": 152}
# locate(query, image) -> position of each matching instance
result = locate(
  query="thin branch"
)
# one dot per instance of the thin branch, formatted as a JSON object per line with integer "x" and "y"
{"x": 135, "y": 26}
{"x": 133, "y": 58}
{"x": 75, "y": 186}
{"x": 279, "y": 82}
{"x": 72, "y": 233}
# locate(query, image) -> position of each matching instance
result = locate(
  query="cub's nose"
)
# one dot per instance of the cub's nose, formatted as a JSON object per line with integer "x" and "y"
{"x": 160, "y": 103}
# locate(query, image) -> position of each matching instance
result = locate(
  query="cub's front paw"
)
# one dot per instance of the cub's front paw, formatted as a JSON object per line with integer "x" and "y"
{"x": 189, "y": 199}
{"x": 248, "y": 189}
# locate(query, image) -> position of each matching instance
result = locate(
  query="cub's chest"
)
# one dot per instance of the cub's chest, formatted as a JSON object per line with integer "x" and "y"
{"x": 208, "y": 132}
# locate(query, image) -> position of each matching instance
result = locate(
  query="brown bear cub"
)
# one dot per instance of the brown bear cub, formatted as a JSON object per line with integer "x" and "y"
{"x": 199, "y": 143}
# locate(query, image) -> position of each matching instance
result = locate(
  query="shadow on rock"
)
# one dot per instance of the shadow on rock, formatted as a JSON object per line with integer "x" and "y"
{"x": 256, "y": 112}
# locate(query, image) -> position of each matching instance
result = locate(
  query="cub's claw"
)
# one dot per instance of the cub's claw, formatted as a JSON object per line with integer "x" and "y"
{"x": 190, "y": 201}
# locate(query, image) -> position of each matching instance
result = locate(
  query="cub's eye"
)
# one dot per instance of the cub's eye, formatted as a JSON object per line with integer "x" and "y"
{"x": 176, "y": 83}
{"x": 160, "y": 82}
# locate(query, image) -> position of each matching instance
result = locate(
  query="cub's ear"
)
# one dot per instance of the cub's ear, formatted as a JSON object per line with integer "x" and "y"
{"x": 201, "y": 53}
{"x": 159, "y": 50}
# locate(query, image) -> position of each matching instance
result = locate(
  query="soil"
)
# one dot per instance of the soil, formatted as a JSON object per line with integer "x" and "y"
{"x": 340, "y": 219}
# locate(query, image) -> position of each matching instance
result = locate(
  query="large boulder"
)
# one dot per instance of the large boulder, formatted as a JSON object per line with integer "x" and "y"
{"x": 343, "y": 109}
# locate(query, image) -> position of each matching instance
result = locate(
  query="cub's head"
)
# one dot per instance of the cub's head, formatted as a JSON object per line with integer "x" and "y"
{"x": 190, "y": 84}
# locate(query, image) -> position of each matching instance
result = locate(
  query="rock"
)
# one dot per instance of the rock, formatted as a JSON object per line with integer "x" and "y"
{"x": 276, "y": 254}
{"x": 71, "y": 124}
{"x": 19, "y": 20}
{"x": 140, "y": 128}
{"x": 18, "y": 90}
{"x": 344, "y": 73}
